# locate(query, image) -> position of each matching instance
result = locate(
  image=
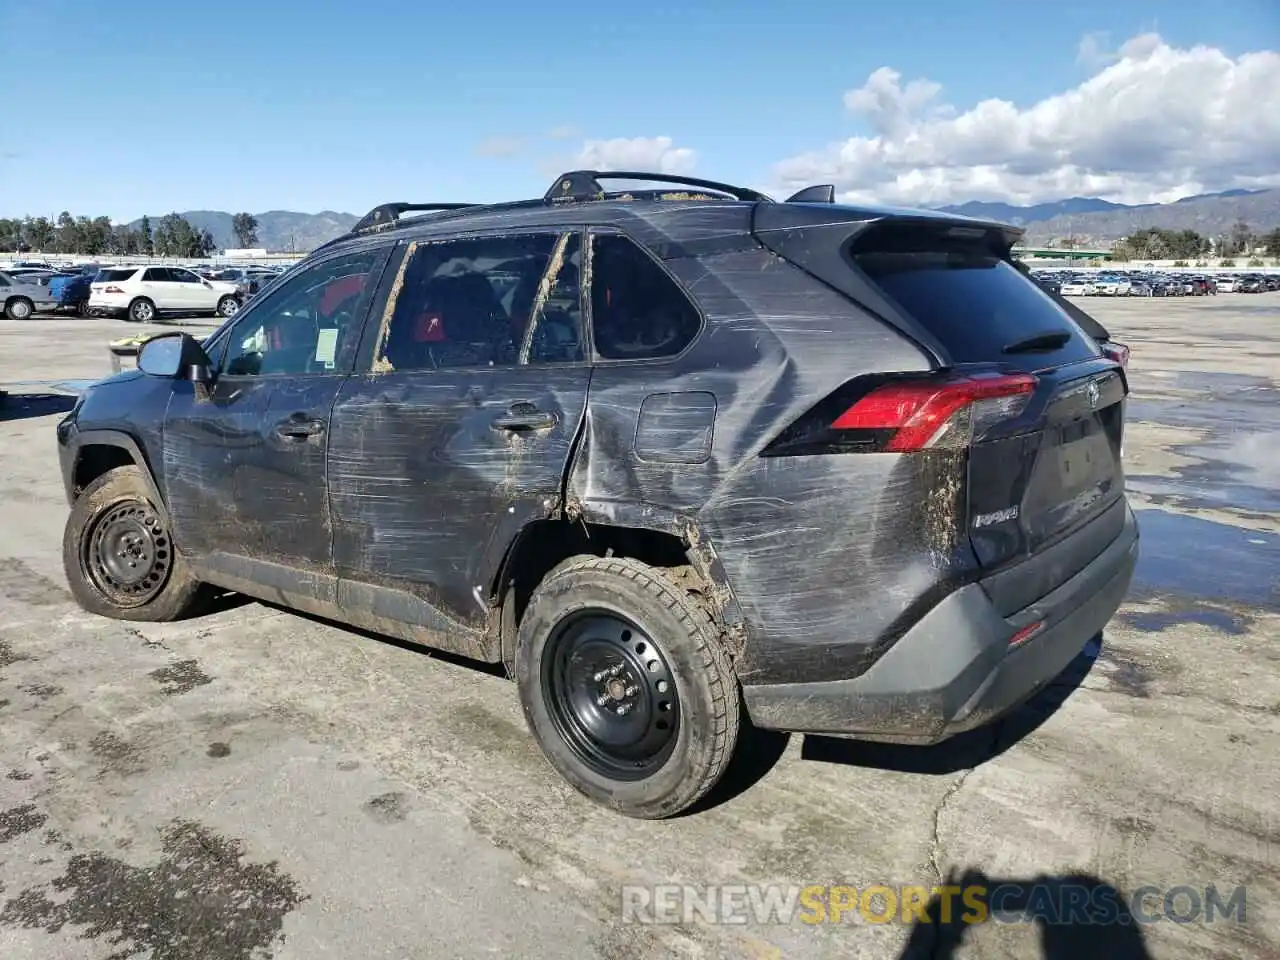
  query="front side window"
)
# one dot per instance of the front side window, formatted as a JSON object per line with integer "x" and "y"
{"x": 482, "y": 302}
{"x": 183, "y": 276}
{"x": 309, "y": 325}
{"x": 637, "y": 311}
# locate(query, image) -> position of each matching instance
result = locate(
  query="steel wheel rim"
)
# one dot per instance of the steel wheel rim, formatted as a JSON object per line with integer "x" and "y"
{"x": 126, "y": 554}
{"x": 611, "y": 695}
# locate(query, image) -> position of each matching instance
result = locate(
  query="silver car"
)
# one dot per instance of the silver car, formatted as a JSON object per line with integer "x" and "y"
{"x": 21, "y": 297}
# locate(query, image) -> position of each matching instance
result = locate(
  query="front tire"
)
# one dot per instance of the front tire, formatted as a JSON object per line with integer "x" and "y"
{"x": 626, "y": 686}
{"x": 19, "y": 308}
{"x": 141, "y": 310}
{"x": 119, "y": 556}
{"x": 228, "y": 306}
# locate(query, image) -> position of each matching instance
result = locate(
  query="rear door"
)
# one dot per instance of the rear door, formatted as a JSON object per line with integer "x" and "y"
{"x": 159, "y": 286}
{"x": 1041, "y": 465}
{"x": 458, "y": 429}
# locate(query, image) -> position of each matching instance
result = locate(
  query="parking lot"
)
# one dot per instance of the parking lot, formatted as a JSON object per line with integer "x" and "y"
{"x": 256, "y": 782}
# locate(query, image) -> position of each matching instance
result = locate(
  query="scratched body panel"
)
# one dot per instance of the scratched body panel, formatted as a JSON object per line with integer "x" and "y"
{"x": 420, "y": 479}
{"x": 819, "y": 551}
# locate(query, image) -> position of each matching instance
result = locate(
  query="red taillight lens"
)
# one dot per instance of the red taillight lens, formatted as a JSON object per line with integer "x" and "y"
{"x": 1117, "y": 352}
{"x": 921, "y": 413}
{"x": 113, "y": 290}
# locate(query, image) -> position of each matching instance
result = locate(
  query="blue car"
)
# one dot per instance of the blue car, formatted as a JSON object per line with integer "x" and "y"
{"x": 72, "y": 292}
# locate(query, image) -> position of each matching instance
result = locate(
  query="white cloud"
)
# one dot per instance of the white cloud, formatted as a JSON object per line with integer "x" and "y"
{"x": 1157, "y": 123}
{"x": 1093, "y": 50}
{"x": 649, "y": 154}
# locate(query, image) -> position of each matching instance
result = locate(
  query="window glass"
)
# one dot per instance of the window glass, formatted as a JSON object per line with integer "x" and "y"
{"x": 469, "y": 303}
{"x": 116, "y": 276}
{"x": 637, "y": 311}
{"x": 183, "y": 276}
{"x": 156, "y": 275}
{"x": 556, "y": 335}
{"x": 307, "y": 325}
{"x": 4, "y": 281}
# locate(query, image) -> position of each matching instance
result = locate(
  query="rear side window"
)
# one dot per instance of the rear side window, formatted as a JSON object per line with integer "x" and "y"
{"x": 974, "y": 303}
{"x": 637, "y": 311}
{"x": 115, "y": 276}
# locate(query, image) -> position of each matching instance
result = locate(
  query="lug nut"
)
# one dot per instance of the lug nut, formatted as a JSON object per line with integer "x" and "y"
{"x": 632, "y": 691}
{"x": 623, "y": 710}
{"x": 602, "y": 699}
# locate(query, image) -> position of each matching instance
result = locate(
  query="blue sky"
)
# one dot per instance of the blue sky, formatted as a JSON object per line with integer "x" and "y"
{"x": 142, "y": 106}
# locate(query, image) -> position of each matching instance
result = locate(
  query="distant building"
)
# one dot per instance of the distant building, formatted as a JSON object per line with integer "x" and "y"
{"x": 247, "y": 253}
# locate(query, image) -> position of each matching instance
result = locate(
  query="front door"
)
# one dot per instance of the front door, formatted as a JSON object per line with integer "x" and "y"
{"x": 457, "y": 426}
{"x": 197, "y": 296}
{"x": 244, "y": 459}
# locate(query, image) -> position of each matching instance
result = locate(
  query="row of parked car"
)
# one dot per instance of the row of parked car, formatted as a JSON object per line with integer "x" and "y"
{"x": 1145, "y": 284}
{"x": 134, "y": 292}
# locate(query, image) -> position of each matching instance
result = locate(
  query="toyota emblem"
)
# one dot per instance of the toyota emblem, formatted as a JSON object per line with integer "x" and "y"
{"x": 1094, "y": 393}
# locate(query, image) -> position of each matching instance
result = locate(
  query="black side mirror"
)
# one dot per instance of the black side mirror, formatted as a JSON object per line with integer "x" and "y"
{"x": 173, "y": 355}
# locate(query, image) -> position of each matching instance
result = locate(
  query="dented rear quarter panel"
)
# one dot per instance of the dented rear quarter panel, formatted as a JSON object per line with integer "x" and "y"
{"x": 825, "y": 555}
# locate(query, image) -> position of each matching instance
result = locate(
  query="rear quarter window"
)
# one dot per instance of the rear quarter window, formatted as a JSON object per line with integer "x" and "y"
{"x": 115, "y": 276}
{"x": 975, "y": 304}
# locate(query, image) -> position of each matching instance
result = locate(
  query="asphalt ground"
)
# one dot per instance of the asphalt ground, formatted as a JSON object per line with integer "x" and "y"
{"x": 258, "y": 783}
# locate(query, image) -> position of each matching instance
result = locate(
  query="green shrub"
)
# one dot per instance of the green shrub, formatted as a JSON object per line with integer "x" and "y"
{"x": 1179, "y": 263}
{"x": 1227, "y": 263}
{"x": 1256, "y": 262}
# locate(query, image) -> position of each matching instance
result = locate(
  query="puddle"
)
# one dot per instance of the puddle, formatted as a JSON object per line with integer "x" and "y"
{"x": 1159, "y": 620}
{"x": 1240, "y": 471}
{"x": 1191, "y": 557}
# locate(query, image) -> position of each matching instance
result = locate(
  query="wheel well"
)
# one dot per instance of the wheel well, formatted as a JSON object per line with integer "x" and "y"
{"x": 544, "y": 544}
{"x": 96, "y": 459}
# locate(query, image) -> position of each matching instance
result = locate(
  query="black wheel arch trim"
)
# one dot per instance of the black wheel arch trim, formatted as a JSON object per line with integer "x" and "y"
{"x": 122, "y": 440}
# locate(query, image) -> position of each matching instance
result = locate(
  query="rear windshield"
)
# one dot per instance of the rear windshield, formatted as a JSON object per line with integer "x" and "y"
{"x": 975, "y": 304}
{"x": 109, "y": 275}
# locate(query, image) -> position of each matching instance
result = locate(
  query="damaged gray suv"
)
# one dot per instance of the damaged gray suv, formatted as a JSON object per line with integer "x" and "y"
{"x": 679, "y": 456}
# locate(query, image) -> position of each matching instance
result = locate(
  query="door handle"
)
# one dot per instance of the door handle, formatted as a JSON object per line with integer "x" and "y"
{"x": 299, "y": 428}
{"x": 524, "y": 419}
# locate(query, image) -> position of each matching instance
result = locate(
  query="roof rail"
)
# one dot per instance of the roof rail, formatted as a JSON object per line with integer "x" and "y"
{"x": 585, "y": 185}
{"x": 386, "y": 213}
{"x": 818, "y": 193}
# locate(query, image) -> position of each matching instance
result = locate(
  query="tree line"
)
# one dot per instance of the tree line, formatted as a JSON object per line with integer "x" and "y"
{"x": 172, "y": 236}
{"x": 1157, "y": 244}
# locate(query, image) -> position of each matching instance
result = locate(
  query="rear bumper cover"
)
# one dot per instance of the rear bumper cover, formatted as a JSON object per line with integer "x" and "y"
{"x": 954, "y": 670}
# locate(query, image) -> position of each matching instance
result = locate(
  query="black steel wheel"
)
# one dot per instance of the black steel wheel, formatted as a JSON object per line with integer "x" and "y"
{"x": 127, "y": 555}
{"x": 626, "y": 685}
{"x": 119, "y": 556}
{"x": 611, "y": 694}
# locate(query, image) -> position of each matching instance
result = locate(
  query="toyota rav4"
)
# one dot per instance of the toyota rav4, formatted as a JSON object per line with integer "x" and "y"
{"x": 677, "y": 456}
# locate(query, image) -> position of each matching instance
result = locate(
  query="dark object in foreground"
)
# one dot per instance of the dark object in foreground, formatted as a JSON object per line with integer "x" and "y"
{"x": 668, "y": 454}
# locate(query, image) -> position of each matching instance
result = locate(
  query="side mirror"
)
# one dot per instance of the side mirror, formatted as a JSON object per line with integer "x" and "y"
{"x": 173, "y": 355}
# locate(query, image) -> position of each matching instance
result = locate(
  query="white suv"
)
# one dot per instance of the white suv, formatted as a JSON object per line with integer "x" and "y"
{"x": 141, "y": 294}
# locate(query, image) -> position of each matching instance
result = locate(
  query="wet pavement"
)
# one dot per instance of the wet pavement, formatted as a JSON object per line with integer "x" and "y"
{"x": 257, "y": 783}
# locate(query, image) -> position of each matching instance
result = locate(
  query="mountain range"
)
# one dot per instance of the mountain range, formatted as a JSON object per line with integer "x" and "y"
{"x": 1088, "y": 220}
{"x": 278, "y": 230}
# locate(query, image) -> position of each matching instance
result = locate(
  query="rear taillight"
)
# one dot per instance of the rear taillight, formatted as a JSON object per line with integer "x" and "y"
{"x": 112, "y": 290}
{"x": 1117, "y": 352}
{"x": 921, "y": 415}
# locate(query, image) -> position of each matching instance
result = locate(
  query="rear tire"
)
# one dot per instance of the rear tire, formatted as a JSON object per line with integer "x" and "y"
{"x": 141, "y": 310}
{"x": 626, "y": 686}
{"x": 119, "y": 556}
{"x": 19, "y": 308}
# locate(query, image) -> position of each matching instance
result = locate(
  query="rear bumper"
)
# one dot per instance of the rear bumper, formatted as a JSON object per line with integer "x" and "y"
{"x": 954, "y": 670}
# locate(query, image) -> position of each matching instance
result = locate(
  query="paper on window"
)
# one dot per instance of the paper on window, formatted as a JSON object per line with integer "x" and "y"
{"x": 327, "y": 346}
